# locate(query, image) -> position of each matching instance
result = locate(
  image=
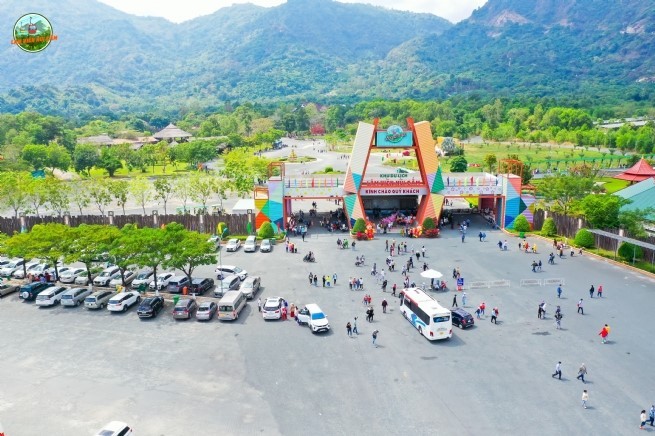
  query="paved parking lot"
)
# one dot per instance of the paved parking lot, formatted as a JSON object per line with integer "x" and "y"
{"x": 68, "y": 371}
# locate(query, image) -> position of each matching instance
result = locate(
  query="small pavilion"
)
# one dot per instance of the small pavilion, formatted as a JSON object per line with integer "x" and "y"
{"x": 172, "y": 132}
{"x": 639, "y": 172}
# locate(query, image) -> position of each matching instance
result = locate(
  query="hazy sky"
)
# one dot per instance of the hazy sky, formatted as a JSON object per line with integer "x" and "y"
{"x": 178, "y": 11}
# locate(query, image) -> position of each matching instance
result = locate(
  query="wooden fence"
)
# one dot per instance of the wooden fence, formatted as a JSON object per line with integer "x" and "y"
{"x": 238, "y": 224}
{"x": 568, "y": 226}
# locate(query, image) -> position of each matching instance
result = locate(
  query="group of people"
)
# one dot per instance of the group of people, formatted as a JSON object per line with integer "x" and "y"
{"x": 327, "y": 279}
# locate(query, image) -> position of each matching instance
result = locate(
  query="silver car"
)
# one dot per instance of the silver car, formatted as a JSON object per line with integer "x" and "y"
{"x": 75, "y": 296}
{"x": 71, "y": 274}
{"x": 99, "y": 299}
{"x": 250, "y": 286}
{"x": 206, "y": 311}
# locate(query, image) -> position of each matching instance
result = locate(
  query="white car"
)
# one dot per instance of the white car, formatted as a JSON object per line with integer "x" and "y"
{"x": 12, "y": 266}
{"x": 214, "y": 239}
{"x": 106, "y": 276}
{"x": 162, "y": 281}
{"x": 129, "y": 278}
{"x": 233, "y": 245}
{"x": 83, "y": 279}
{"x": 265, "y": 246}
{"x": 226, "y": 270}
{"x": 74, "y": 296}
{"x": 313, "y": 316}
{"x": 123, "y": 301}
{"x": 115, "y": 428}
{"x": 33, "y": 267}
{"x": 272, "y": 308}
{"x": 71, "y": 274}
{"x": 143, "y": 278}
{"x": 50, "y": 296}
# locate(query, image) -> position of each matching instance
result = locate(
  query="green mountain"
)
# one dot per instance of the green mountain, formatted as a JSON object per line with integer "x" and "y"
{"x": 107, "y": 61}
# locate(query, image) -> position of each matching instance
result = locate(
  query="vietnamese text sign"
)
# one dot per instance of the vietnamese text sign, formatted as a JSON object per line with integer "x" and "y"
{"x": 394, "y": 191}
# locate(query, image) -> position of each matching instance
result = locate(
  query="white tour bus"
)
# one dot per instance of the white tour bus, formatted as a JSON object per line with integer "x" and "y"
{"x": 230, "y": 305}
{"x": 424, "y": 312}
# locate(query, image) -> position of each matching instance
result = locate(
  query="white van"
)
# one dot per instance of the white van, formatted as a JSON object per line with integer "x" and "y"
{"x": 50, "y": 296}
{"x": 230, "y": 305}
{"x": 250, "y": 246}
{"x": 313, "y": 316}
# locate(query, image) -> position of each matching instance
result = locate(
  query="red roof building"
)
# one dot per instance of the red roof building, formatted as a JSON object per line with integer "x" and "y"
{"x": 640, "y": 171}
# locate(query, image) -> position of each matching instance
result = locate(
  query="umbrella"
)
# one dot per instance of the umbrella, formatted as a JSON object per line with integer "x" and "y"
{"x": 431, "y": 274}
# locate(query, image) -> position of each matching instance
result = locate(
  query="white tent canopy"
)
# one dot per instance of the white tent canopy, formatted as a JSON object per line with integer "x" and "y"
{"x": 242, "y": 206}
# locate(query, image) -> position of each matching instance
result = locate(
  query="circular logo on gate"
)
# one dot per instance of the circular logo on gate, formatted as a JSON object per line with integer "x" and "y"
{"x": 395, "y": 134}
{"x": 33, "y": 33}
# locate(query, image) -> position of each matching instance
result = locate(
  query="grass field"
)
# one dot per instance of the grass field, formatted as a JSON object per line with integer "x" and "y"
{"x": 612, "y": 185}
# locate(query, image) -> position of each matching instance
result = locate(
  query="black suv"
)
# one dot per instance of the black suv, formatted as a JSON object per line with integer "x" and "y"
{"x": 462, "y": 318}
{"x": 150, "y": 307}
{"x": 200, "y": 285}
{"x": 31, "y": 290}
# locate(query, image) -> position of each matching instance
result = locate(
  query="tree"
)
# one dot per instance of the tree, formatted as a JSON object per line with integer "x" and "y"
{"x": 80, "y": 195}
{"x": 49, "y": 242}
{"x": 164, "y": 190}
{"x": 549, "y": 228}
{"x": 122, "y": 251}
{"x": 584, "y": 238}
{"x": 266, "y": 231}
{"x": 85, "y": 157}
{"x": 14, "y": 190}
{"x": 18, "y": 246}
{"x": 602, "y": 211}
{"x": 630, "y": 252}
{"x": 633, "y": 221}
{"x": 35, "y": 155}
{"x": 182, "y": 189}
{"x": 141, "y": 190}
{"x": 490, "y": 161}
{"x": 458, "y": 164}
{"x": 202, "y": 188}
{"x": 58, "y": 157}
{"x": 58, "y": 195}
{"x": 521, "y": 224}
{"x": 109, "y": 161}
{"x": 151, "y": 247}
{"x": 186, "y": 249}
{"x": 561, "y": 191}
{"x": 100, "y": 195}
{"x": 37, "y": 194}
{"x": 119, "y": 189}
{"x": 88, "y": 244}
{"x": 360, "y": 226}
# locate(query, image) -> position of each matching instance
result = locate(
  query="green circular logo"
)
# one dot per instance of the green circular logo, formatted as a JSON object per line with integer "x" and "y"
{"x": 32, "y": 32}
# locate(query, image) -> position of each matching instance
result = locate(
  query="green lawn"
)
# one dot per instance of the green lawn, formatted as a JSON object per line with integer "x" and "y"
{"x": 171, "y": 170}
{"x": 612, "y": 185}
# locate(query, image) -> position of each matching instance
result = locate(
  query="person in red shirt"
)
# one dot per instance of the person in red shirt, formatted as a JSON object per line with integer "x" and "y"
{"x": 603, "y": 333}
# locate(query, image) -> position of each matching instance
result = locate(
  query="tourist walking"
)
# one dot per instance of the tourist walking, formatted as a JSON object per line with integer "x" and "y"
{"x": 559, "y": 291}
{"x": 651, "y": 414}
{"x": 259, "y": 305}
{"x": 642, "y": 418}
{"x": 375, "y": 337}
{"x": 580, "y": 308}
{"x": 494, "y": 315}
{"x": 591, "y": 292}
{"x": 349, "y": 329}
{"x": 334, "y": 278}
{"x": 455, "y": 301}
{"x": 581, "y": 372}
{"x": 558, "y": 320}
{"x": 384, "y": 306}
{"x": 393, "y": 290}
{"x": 355, "y": 331}
{"x": 558, "y": 370}
{"x": 599, "y": 293}
{"x": 464, "y": 297}
{"x": 585, "y": 398}
{"x": 603, "y": 334}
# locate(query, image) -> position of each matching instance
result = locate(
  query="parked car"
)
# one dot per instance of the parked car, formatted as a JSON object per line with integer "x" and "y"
{"x": 19, "y": 273}
{"x": 106, "y": 276}
{"x": 250, "y": 246}
{"x": 162, "y": 281}
{"x": 233, "y": 245}
{"x": 201, "y": 285}
{"x": 118, "y": 281}
{"x": 12, "y": 266}
{"x": 50, "y": 296}
{"x": 150, "y": 307}
{"x": 115, "y": 428}
{"x": 123, "y": 301}
{"x": 99, "y": 299}
{"x": 29, "y": 291}
{"x": 265, "y": 246}
{"x": 229, "y": 283}
{"x": 177, "y": 283}
{"x": 143, "y": 278}
{"x": 185, "y": 308}
{"x": 75, "y": 296}
{"x": 225, "y": 270}
{"x": 206, "y": 311}
{"x": 462, "y": 318}
{"x": 250, "y": 286}
{"x": 271, "y": 308}
{"x": 83, "y": 279}
{"x": 71, "y": 274}
{"x": 313, "y": 316}
{"x": 214, "y": 239}
{"x": 7, "y": 288}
